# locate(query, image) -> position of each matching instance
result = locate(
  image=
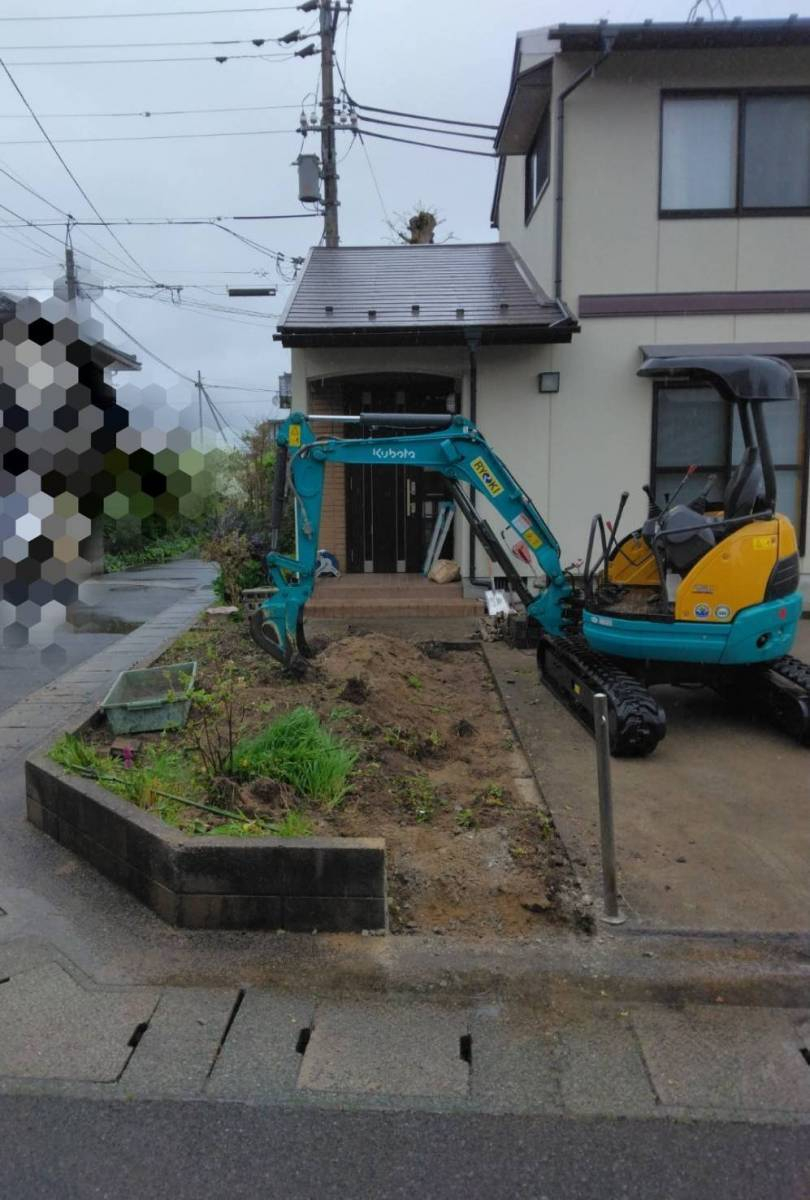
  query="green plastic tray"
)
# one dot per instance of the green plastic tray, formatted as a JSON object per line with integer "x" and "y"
{"x": 152, "y": 699}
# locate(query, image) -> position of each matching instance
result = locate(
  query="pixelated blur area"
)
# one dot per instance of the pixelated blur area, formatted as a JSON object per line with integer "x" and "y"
{"x": 74, "y": 451}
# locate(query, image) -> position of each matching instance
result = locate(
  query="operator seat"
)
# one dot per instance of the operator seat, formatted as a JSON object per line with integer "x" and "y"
{"x": 688, "y": 534}
{"x": 745, "y": 490}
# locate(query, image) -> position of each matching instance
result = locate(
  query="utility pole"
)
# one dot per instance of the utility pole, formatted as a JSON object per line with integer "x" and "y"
{"x": 328, "y": 158}
{"x": 200, "y": 400}
{"x": 70, "y": 273}
{"x": 71, "y": 282}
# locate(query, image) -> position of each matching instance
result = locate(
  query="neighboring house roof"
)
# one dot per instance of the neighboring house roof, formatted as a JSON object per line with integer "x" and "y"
{"x": 117, "y": 360}
{"x": 684, "y": 35}
{"x": 107, "y": 355}
{"x": 420, "y": 295}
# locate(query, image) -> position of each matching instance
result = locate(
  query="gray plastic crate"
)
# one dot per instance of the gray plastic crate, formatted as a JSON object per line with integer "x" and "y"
{"x": 152, "y": 699}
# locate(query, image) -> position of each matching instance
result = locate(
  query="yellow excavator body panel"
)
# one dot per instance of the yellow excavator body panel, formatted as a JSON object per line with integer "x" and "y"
{"x": 734, "y": 574}
{"x": 633, "y": 563}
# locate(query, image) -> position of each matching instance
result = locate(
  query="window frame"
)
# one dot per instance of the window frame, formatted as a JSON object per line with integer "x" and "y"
{"x": 724, "y": 469}
{"x": 739, "y": 210}
{"x": 531, "y": 203}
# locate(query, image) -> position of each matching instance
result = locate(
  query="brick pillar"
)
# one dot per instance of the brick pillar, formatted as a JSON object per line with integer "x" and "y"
{"x": 327, "y": 397}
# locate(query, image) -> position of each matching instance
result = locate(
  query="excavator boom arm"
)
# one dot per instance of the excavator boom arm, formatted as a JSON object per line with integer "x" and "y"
{"x": 458, "y": 451}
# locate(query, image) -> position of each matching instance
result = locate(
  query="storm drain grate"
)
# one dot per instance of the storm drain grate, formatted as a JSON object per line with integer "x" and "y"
{"x": 303, "y": 1040}
{"x": 465, "y": 1048}
{"x": 805, "y": 1053}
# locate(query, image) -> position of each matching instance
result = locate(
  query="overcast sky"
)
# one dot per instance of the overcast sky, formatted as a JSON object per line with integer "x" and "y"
{"x": 451, "y": 58}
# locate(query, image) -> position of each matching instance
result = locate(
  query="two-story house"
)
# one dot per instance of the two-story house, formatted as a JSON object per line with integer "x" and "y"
{"x": 652, "y": 197}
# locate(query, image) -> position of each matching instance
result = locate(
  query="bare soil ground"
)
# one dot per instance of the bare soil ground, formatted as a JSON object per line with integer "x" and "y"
{"x": 471, "y": 847}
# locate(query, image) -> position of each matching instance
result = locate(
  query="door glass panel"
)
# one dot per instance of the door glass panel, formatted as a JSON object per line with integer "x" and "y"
{"x": 776, "y": 162}
{"x": 691, "y": 427}
{"x": 699, "y": 152}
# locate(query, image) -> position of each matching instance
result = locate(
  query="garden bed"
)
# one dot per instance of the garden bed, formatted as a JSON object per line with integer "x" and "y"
{"x": 430, "y": 762}
{"x": 438, "y": 775}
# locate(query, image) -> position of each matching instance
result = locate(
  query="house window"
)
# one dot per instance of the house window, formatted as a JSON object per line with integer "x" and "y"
{"x": 735, "y": 153}
{"x": 537, "y": 165}
{"x": 694, "y": 426}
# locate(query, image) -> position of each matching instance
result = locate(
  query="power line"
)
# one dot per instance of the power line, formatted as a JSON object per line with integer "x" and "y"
{"x": 73, "y": 178}
{"x": 166, "y": 112}
{"x": 143, "y": 45}
{"x": 482, "y": 137}
{"x": 387, "y": 137}
{"x": 78, "y": 222}
{"x": 198, "y": 12}
{"x": 392, "y": 112}
{"x": 101, "y": 62}
{"x": 142, "y": 347}
{"x": 374, "y": 180}
{"x": 59, "y": 241}
{"x": 151, "y": 137}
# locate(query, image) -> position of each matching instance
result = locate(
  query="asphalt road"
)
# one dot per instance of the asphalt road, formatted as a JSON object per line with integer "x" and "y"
{"x": 59, "y": 1149}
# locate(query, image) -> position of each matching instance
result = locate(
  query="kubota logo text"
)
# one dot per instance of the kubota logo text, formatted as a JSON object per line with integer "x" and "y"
{"x": 379, "y": 452}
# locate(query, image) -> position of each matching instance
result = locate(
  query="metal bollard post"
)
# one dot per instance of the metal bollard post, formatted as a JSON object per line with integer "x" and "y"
{"x": 602, "y": 732}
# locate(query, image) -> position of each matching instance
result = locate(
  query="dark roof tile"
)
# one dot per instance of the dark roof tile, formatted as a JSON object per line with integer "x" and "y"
{"x": 437, "y": 288}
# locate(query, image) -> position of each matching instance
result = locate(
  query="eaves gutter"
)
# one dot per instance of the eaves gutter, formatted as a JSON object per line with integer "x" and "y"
{"x": 559, "y": 329}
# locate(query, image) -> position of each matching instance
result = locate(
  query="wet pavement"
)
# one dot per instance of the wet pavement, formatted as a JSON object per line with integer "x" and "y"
{"x": 712, "y": 829}
{"x": 560, "y": 1040}
{"x": 109, "y": 607}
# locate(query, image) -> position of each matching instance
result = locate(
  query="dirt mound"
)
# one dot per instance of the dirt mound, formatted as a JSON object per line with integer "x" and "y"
{"x": 373, "y": 656}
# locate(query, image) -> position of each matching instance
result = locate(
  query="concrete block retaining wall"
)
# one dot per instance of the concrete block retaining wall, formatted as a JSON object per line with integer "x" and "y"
{"x": 298, "y": 884}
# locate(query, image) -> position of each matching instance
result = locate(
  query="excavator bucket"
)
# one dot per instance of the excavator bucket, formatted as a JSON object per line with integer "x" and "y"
{"x": 285, "y": 643}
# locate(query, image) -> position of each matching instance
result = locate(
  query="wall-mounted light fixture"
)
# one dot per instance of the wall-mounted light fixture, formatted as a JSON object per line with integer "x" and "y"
{"x": 548, "y": 381}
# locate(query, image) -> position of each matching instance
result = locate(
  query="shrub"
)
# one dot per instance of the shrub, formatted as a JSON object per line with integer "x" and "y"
{"x": 231, "y": 552}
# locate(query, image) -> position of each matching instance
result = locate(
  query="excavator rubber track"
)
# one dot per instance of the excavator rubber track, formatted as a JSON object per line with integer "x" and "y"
{"x": 785, "y": 696}
{"x": 575, "y": 674}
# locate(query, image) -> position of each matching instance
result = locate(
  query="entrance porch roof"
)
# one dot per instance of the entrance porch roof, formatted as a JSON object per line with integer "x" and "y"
{"x": 420, "y": 295}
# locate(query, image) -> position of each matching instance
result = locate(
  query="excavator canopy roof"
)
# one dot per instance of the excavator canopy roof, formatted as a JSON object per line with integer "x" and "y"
{"x": 743, "y": 377}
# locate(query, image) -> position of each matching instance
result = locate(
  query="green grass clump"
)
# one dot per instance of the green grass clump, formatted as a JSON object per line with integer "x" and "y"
{"x": 76, "y": 756}
{"x": 158, "y": 770}
{"x": 297, "y": 750}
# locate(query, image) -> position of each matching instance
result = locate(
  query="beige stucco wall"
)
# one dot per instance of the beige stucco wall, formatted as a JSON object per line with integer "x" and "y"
{"x": 599, "y": 426}
{"x": 613, "y": 240}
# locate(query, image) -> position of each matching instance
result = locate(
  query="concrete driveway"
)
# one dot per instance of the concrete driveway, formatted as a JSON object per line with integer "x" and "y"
{"x": 713, "y": 830}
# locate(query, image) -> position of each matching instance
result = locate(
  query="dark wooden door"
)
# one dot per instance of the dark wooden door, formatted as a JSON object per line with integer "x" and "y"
{"x": 390, "y": 510}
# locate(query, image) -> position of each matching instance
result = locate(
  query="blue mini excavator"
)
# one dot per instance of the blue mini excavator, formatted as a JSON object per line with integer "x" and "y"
{"x": 703, "y": 593}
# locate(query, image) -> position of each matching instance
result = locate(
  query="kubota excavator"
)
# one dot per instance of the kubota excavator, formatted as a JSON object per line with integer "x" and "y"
{"x": 703, "y": 593}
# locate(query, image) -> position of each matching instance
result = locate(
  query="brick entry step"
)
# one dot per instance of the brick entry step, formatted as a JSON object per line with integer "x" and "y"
{"x": 397, "y": 595}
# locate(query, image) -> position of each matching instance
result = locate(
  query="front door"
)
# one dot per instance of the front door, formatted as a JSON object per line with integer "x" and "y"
{"x": 391, "y": 511}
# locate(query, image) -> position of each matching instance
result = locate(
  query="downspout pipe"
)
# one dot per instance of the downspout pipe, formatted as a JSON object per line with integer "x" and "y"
{"x": 473, "y": 338}
{"x": 607, "y": 49}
